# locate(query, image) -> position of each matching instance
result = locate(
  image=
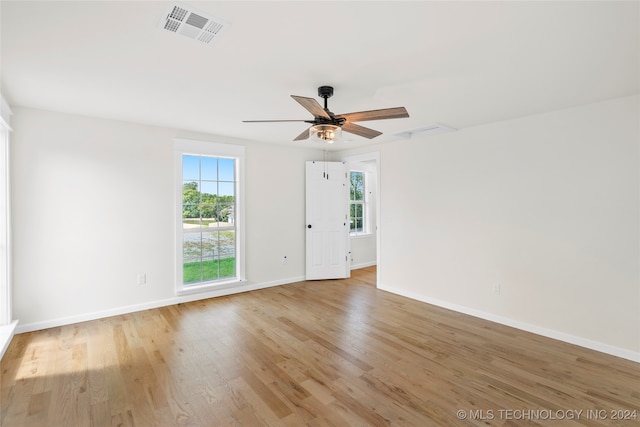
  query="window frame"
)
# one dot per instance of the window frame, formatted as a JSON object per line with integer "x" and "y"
{"x": 219, "y": 150}
{"x": 6, "y": 244}
{"x": 366, "y": 229}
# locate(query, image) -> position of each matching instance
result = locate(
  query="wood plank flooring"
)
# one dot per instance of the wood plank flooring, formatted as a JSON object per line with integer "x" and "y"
{"x": 322, "y": 353}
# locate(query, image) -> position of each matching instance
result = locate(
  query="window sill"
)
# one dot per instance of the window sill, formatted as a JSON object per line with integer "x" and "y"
{"x": 211, "y": 286}
{"x": 361, "y": 236}
{"x": 6, "y": 334}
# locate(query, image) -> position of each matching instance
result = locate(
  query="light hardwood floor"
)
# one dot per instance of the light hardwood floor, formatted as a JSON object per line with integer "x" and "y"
{"x": 322, "y": 353}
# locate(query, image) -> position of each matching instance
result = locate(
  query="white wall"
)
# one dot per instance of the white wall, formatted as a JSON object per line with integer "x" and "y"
{"x": 93, "y": 207}
{"x": 545, "y": 206}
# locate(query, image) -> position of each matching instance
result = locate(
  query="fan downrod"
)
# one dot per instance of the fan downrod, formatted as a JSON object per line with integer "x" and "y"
{"x": 325, "y": 92}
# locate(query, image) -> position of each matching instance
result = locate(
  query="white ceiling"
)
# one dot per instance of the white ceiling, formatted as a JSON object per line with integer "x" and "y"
{"x": 458, "y": 63}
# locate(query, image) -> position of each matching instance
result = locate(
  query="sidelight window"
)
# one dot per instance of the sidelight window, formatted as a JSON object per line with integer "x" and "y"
{"x": 358, "y": 204}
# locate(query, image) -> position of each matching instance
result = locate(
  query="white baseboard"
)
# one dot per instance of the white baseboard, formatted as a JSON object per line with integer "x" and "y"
{"x": 539, "y": 330}
{"x": 362, "y": 265}
{"x": 36, "y": 326}
{"x": 6, "y": 334}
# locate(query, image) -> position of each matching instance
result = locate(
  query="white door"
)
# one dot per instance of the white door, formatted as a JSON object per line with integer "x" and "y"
{"x": 327, "y": 212}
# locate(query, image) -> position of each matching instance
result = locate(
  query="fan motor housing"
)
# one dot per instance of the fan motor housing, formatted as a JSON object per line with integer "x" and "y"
{"x": 338, "y": 121}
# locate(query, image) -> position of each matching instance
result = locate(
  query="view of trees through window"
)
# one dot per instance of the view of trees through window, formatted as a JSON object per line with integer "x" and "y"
{"x": 208, "y": 218}
{"x": 357, "y": 203}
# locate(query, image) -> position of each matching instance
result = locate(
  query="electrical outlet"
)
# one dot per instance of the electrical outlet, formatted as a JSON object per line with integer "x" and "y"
{"x": 142, "y": 279}
{"x": 496, "y": 288}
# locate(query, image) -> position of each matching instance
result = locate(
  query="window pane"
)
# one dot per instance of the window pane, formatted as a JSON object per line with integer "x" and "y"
{"x": 209, "y": 255}
{"x": 225, "y": 212}
{"x": 190, "y": 223}
{"x": 226, "y": 170}
{"x": 209, "y": 168}
{"x": 190, "y": 193}
{"x": 227, "y": 253}
{"x": 226, "y": 189}
{"x": 190, "y": 167}
{"x": 227, "y": 243}
{"x": 208, "y": 215}
{"x": 209, "y": 188}
{"x": 357, "y": 210}
{"x": 228, "y": 267}
{"x": 209, "y": 244}
{"x": 210, "y": 269}
{"x": 191, "y": 256}
{"x": 357, "y": 186}
{"x": 191, "y": 211}
{"x": 192, "y": 247}
{"x": 191, "y": 272}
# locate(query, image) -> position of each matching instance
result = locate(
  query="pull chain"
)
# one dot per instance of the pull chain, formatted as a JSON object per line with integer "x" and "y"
{"x": 325, "y": 174}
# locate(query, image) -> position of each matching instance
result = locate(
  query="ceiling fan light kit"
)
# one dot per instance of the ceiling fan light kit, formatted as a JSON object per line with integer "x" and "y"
{"x": 327, "y": 126}
{"x": 325, "y": 133}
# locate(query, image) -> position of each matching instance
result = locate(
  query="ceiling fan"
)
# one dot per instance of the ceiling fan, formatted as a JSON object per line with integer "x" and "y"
{"x": 326, "y": 126}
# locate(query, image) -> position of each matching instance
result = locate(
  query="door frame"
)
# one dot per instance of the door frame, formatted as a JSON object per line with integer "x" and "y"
{"x": 373, "y": 156}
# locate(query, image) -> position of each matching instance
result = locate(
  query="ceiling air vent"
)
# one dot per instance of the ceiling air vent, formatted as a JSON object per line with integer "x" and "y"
{"x": 191, "y": 23}
{"x": 432, "y": 129}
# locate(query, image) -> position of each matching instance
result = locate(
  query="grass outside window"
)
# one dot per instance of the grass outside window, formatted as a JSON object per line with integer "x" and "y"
{"x": 194, "y": 272}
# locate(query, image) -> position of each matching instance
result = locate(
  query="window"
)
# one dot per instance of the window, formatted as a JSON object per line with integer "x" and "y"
{"x": 357, "y": 204}
{"x": 209, "y": 202}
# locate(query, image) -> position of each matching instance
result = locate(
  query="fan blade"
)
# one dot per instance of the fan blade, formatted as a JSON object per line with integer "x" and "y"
{"x": 271, "y": 121}
{"x": 312, "y": 106}
{"x": 303, "y": 135}
{"x": 385, "y": 113}
{"x": 360, "y": 130}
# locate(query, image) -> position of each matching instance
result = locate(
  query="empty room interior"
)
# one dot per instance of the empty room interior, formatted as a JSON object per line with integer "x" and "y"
{"x": 312, "y": 213}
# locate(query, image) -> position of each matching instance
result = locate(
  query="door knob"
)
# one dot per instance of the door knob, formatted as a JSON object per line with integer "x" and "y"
{"x": 309, "y": 226}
